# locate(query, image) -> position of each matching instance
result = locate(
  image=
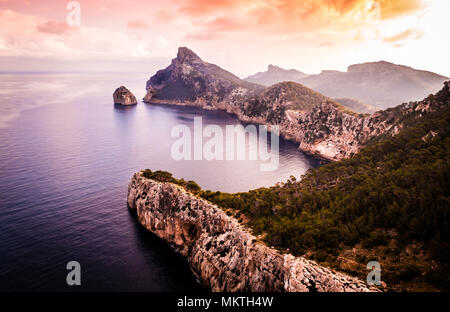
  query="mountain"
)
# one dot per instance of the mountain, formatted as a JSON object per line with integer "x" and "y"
{"x": 381, "y": 84}
{"x": 272, "y": 103}
{"x": 320, "y": 125}
{"x": 275, "y": 74}
{"x": 190, "y": 80}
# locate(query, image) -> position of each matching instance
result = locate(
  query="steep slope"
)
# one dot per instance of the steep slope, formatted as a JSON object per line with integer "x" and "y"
{"x": 271, "y": 104}
{"x": 381, "y": 84}
{"x": 190, "y": 80}
{"x": 389, "y": 203}
{"x": 275, "y": 74}
{"x": 222, "y": 253}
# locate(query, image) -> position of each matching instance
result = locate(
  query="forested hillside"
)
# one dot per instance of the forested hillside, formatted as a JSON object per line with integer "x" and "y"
{"x": 393, "y": 194}
{"x": 389, "y": 203}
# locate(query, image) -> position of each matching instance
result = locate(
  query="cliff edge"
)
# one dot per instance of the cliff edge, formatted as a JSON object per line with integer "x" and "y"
{"x": 222, "y": 254}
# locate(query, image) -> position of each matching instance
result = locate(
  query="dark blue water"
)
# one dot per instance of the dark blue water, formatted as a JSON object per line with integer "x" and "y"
{"x": 66, "y": 157}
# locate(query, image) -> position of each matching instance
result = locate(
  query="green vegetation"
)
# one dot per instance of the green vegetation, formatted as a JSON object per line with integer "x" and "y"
{"x": 275, "y": 100}
{"x": 164, "y": 176}
{"x": 390, "y": 203}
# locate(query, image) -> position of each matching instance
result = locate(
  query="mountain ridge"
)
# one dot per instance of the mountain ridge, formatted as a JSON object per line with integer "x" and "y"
{"x": 275, "y": 74}
{"x": 320, "y": 125}
{"x": 364, "y": 81}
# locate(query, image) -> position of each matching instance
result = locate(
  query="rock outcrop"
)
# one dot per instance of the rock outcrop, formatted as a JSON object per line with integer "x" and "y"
{"x": 188, "y": 80}
{"x": 123, "y": 96}
{"x": 222, "y": 254}
{"x": 149, "y": 95}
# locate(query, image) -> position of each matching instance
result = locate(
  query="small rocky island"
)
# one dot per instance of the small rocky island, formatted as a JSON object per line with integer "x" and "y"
{"x": 123, "y": 96}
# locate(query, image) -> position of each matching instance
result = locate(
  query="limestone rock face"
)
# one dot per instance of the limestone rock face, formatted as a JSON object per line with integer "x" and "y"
{"x": 188, "y": 80}
{"x": 151, "y": 92}
{"x": 222, "y": 254}
{"x": 123, "y": 96}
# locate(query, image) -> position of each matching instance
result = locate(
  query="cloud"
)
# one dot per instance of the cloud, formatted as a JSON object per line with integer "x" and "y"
{"x": 53, "y": 27}
{"x": 409, "y": 34}
{"x": 202, "y": 36}
{"x": 291, "y": 16}
{"x": 48, "y": 38}
{"x": 137, "y": 24}
{"x": 225, "y": 23}
{"x": 395, "y": 8}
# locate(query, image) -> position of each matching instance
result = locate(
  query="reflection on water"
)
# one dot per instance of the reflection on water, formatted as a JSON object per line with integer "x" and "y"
{"x": 66, "y": 157}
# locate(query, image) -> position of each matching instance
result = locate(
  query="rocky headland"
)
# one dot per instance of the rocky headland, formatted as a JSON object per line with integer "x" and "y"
{"x": 321, "y": 126}
{"x": 222, "y": 254}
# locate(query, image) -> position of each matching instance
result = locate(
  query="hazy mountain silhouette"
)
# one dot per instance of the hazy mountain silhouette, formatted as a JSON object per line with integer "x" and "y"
{"x": 380, "y": 84}
{"x": 275, "y": 74}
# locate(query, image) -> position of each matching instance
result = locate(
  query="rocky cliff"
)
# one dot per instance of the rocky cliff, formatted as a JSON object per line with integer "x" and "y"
{"x": 222, "y": 254}
{"x": 123, "y": 96}
{"x": 320, "y": 125}
{"x": 188, "y": 80}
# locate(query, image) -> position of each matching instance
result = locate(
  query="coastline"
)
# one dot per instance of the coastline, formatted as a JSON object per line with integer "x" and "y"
{"x": 246, "y": 121}
{"x": 223, "y": 254}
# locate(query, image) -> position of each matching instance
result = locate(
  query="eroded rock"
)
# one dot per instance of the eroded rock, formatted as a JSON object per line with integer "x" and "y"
{"x": 151, "y": 92}
{"x": 221, "y": 252}
{"x": 123, "y": 96}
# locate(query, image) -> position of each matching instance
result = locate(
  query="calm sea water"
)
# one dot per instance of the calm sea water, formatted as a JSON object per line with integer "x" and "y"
{"x": 66, "y": 157}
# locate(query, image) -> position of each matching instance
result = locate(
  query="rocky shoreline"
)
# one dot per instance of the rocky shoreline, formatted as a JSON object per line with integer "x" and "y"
{"x": 321, "y": 127}
{"x": 222, "y": 254}
{"x": 347, "y": 133}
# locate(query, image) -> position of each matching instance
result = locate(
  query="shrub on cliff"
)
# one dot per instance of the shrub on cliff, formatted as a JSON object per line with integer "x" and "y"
{"x": 164, "y": 176}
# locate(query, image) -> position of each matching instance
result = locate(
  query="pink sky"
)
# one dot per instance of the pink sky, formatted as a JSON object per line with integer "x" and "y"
{"x": 241, "y": 36}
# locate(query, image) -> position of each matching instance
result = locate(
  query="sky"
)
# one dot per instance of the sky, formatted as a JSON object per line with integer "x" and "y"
{"x": 240, "y": 36}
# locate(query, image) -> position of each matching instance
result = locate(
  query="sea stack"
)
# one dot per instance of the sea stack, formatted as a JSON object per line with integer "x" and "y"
{"x": 123, "y": 96}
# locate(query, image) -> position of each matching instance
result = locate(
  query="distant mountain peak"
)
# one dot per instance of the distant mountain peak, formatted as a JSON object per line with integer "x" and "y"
{"x": 186, "y": 54}
{"x": 275, "y": 74}
{"x": 188, "y": 78}
{"x": 375, "y": 65}
{"x": 274, "y": 68}
{"x": 382, "y": 84}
